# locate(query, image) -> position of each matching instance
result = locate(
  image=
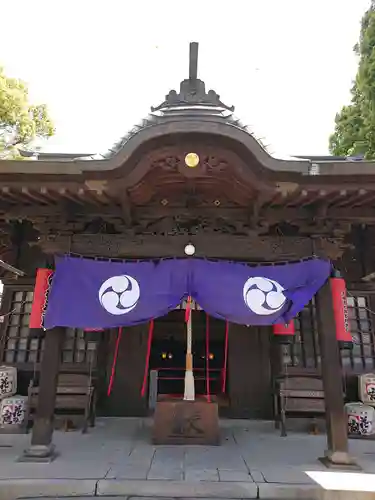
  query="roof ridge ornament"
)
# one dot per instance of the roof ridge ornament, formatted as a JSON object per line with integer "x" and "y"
{"x": 192, "y": 90}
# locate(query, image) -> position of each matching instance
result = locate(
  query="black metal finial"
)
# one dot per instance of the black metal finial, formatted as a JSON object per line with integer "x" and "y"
{"x": 193, "y": 61}
{"x": 192, "y": 90}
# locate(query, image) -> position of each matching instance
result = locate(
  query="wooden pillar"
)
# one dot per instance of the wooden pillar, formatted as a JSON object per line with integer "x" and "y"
{"x": 337, "y": 434}
{"x": 42, "y": 448}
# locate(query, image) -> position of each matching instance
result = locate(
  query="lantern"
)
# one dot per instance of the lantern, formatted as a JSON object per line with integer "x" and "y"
{"x": 40, "y": 299}
{"x": 284, "y": 334}
{"x": 340, "y": 311}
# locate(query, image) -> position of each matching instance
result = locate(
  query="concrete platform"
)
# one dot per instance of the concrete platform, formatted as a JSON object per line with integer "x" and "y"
{"x": 117, "y": 459}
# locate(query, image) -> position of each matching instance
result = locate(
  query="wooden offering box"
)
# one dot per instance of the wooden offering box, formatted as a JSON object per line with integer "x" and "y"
{"x": 186, "y": 422}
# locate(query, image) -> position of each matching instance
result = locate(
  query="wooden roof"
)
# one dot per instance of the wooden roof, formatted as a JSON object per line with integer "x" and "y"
{"x": 147, "y": 166}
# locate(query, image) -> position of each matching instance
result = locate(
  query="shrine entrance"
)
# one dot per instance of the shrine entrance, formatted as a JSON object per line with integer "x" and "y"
{"x": 242, "y": 390}
{"x": 168, "y": 355}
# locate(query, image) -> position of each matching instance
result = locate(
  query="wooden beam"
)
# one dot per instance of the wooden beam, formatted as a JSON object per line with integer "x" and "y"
{"x": 33, "y": 196}
{"x": 211, "y": 245}
{"x": 42, "y": 448}
{"x": 11, "y": 269}
{"x": 353, "y": 198}
{"x": 369, "y": 277}
{"x": 337, "y": 432}
{"x": 272, "y": 213}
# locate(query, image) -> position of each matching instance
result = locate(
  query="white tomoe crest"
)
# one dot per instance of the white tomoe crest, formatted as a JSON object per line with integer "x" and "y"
{"x": 263, "y": 296}
{"x": 119, "y": 294}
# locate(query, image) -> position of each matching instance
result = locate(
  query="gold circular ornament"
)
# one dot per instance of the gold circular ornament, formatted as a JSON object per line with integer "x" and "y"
{"x": 192, "y": 160}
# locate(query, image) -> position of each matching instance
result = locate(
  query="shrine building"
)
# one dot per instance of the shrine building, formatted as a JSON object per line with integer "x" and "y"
{"x": 190, "y": 176}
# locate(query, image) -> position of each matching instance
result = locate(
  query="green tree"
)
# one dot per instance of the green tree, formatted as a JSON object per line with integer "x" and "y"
{"x": 354, "y": 132}
{"x": 20, "y": 121}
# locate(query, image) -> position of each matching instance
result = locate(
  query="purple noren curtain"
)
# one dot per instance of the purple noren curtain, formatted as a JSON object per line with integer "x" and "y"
{"x": 261, "y": 295}
{"x": 97, "y": 294}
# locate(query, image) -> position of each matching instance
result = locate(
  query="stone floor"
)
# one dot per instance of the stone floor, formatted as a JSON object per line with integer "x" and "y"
{"x": 251, "y": 452}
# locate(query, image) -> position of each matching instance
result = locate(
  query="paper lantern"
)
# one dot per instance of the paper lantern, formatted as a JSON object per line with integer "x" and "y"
{"x": 284, "y": 334}
{"x": 8, "y": 381}
{"x": 340, "y": 311}
{"x": 40, "y": 299}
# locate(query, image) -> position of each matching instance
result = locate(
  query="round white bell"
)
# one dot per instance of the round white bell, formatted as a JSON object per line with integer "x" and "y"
{"x": 190, "y": 249}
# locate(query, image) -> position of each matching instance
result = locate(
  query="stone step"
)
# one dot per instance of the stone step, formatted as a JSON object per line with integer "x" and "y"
{"x": 173, "y": 490}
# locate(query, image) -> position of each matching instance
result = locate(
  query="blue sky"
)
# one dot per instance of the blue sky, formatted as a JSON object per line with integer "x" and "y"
{"x": 286, "y": 65}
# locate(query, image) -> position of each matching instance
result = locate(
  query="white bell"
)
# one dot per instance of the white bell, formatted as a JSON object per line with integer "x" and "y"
{"x": 190, "y": 249}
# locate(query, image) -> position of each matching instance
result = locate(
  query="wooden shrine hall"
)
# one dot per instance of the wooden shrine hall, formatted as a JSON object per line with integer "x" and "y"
{"x": 189, "y": 175}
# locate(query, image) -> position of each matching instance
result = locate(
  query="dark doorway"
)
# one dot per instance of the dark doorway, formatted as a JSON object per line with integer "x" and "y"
{"x": 247, "y": 392}
{"x": 169, "y": 351}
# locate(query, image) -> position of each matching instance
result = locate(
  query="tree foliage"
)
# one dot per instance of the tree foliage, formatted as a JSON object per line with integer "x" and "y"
{"x": 354, "y": 132}
{"x": 20, "y": 122}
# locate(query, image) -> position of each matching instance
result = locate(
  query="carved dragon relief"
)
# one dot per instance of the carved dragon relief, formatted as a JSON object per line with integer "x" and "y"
{"x": 181, "y": 225}
{"x": 187, "y": 223}
{"x": 59, "y": 234}
{"x": 332, "y": 248}
{"x": 256, "y": 248}
{"x": 190, "y": 222}
{"x": 166, "y": 225}
{"x": 170, "y": 163}
{"x": 216, "y": 238}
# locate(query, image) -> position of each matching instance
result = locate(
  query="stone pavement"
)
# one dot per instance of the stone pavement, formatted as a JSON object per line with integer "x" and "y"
{"x": 116, "y": 459}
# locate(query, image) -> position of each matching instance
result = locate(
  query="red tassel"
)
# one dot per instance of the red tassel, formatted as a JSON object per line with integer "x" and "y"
{"x": 148, "y": 354}
{"x": 188, "y": 309}
{"x": 284, "y": 334}
{"x": 112, "y": 378}
{"x": 41, "y": 290}
{"x": 207, "y": 358}
{"x": 340, "y": 311}
{"x": 224, "y": 381}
